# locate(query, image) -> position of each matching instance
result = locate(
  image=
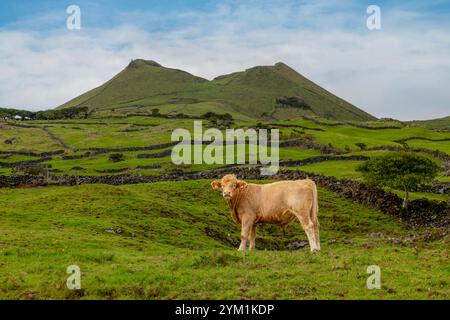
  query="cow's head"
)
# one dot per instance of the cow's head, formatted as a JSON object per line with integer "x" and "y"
{"x": 228, "y": 185}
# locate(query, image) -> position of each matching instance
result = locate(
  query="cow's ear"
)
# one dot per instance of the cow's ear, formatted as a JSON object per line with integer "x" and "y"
{"x": 241, "y": 184}
{"x": 216, "y": 185}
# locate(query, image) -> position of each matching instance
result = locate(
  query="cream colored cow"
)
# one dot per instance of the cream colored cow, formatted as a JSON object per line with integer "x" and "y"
{"x": 276, "y": 203}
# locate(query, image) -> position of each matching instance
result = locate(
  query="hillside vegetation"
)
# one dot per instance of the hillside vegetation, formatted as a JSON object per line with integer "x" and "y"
{"x": 274, "y": 92}
{"x": 442, "y": 123}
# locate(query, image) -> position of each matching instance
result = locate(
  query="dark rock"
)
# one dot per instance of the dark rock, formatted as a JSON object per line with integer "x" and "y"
{"x": 297, "y": 245}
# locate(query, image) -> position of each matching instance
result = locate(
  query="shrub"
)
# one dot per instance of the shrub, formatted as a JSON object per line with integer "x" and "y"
{"x": 361, "y": 145}
{"x": 116, "y": 157}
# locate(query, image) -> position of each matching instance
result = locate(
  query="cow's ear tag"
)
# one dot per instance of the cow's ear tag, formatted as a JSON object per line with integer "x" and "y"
{"x": 216, "y": 185}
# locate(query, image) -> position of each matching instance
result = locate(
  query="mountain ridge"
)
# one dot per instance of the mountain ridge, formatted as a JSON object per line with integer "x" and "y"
{"x": 272, "y": 91}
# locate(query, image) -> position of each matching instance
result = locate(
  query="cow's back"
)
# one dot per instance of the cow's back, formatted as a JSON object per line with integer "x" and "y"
{"x": 282, "y": 196}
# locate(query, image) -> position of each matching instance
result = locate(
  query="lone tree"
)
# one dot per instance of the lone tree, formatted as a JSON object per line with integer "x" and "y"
{"x": 399, "y": 170}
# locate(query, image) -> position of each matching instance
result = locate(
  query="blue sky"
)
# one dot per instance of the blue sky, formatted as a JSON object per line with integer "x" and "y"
{"x": 401, "y": 70}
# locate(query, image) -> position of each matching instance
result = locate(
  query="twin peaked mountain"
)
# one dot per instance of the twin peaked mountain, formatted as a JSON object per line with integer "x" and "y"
{"x": 263, "y": 92}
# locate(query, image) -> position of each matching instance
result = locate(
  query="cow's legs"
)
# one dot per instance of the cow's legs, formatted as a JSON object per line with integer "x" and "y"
{"x": 316, "y": 234}
{"x": 246, "y": 227}
{"x": 309, "y": 230}
{"x": 308, "y": 226}
{"x": 252, "y": 237}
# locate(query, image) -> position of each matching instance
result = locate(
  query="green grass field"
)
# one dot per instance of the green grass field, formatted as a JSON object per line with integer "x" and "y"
{"x": 26, "y": 140}
{"x": 343, "y": 137}
{"x": 165, "y": 252}
{"x": 177, "y": 239}
{"x": 442, "y": 123}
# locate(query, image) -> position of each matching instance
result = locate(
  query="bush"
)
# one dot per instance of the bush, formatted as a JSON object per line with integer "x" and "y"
{"x": 361, "y": 145}
{"x": 224, "y": 120}
{"x": 116, "y": 157}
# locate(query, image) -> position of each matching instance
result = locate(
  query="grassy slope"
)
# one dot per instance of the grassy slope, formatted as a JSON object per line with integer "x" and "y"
{"x": 432, "y": 124}
{"x": 248, "y": 94}
{"x": 138, "y": 80}
{"x": 164, "y": 251}
{"x": 113, "y": 136}
{"x": 26, "y": 139}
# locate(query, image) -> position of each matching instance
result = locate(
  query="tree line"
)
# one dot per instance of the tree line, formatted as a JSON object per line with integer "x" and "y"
{"x": 54, "y": 114}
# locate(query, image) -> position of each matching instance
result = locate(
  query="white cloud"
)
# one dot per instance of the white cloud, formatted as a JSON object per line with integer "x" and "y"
{"x": 401, "y": 71}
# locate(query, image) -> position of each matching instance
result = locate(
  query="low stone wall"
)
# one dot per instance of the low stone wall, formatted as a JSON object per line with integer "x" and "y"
{"x": 435, "y": 187}
{"x": 118, "y": 170}
{"x": 318, "y": 159}
{"x": 91, "y": 152}
{"x": 147, "y": 115}
{"x": 125, "y": 149}
{"x": 336, "y": 124}
{"x": 435, "y": 153}
{"x": 57, "y": 139}
{"x": 22, "y": 180}
{"x": 24, "y": 163}
{"x": 33, "y": 154}
{"x": 19, "y": 125}
{"x": 422, "y": 138}
{"x": 281, "y": 125}
{"x": 309, "y": 144}
{"x": 162, "y": 154}
{"x": 446, "y": 168}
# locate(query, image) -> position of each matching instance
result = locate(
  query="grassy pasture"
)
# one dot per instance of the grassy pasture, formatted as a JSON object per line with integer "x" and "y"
{"x": 26, "y": 140}
{"x": 442, "y": 123}
{"x": 338, "y": 169}
{"x": 165, "y": 251}
{"x": 177, "y": 239}
{"x": 131, "y": 161}
{"x": 113, "y": 135}
{"x": 343, "y": 137}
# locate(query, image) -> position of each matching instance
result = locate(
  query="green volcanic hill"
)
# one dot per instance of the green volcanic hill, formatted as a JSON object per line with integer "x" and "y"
{"x": 276, "y": 92}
